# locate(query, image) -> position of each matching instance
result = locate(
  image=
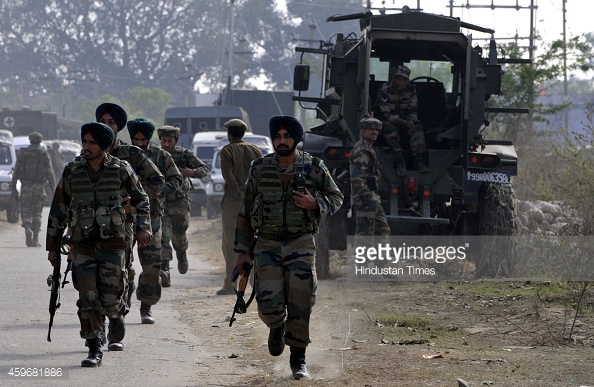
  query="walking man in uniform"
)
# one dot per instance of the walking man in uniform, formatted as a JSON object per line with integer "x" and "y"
{"x": 57, "y": 159}
{"x": 176, "y": 218}
{"x": 90, "y": 196}
{"x": 285, "y": 196}
{"x": 236, "y": 158}
{"x": 33, "y": 168}
{"x": 365, "y": 182}
{"x": 397, "y": 107}
{"x": 141, "y": 131}
{"x": 115, "y": 117}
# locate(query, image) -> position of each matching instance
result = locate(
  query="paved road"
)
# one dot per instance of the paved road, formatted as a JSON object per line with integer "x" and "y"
{"x": 162, "y": 354}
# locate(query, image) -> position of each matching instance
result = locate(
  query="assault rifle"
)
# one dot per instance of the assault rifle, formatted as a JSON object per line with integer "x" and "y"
{"x": 53, "y": 281}
{"x": 240, "y": 305}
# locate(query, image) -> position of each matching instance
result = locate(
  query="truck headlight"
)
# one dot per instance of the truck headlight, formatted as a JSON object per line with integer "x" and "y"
{"x": 5, "y": 186}
{"x": 218, "y": 187}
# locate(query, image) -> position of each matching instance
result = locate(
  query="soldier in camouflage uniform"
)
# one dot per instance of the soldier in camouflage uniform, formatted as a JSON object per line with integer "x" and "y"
{"x": 147, "y": 293}
{"x": 365, "y": 182}
{"x": 286, "y": 221}
{"x": 57, "y": 159}
{"x": 176, "y": 218}
{"x": 235, "y": 165}
{"x": 115, "y": 117}
{"x": 396, "y": 106}
{"x": 33, "y": 168}
{"x": 90, "y": 197}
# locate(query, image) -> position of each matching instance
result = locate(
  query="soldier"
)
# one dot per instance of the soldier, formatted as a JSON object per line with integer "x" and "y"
{"x": 90, "y": 195}
{"x": 176, "y": 218}
{"x": 235, "y": 165}
{"x": 141, "y": 132}
{"x": 57, "y": 159}
{"x": 33, "y": 168}
{"x": 115, "y": 117}
{"x": 286, "y": 221}
{"x": 396, "y": 106}
{"x": 365, "y": 182}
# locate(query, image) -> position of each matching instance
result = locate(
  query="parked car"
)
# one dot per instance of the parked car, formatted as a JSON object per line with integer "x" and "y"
{"x": 8, "y": 202}
{"x": 215, "y": 188}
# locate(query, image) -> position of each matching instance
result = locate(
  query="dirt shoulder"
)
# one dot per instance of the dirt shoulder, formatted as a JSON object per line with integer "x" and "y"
{"x": 392, "y": 333}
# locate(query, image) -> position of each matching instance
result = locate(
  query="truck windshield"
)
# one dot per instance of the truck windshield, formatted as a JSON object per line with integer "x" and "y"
{"x": 440, "y": 70}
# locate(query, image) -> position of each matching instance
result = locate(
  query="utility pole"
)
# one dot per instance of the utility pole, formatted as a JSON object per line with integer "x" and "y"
{"x": 565, "y": 96}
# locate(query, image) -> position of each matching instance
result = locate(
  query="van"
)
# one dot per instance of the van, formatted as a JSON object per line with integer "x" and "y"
{"x": 215, "y": 188}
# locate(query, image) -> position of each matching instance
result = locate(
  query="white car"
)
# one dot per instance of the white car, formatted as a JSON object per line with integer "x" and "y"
{"x": 215, "y": 188}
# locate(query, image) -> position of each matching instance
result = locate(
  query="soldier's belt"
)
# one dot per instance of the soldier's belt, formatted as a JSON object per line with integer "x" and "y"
{"x": 281, "y": 236}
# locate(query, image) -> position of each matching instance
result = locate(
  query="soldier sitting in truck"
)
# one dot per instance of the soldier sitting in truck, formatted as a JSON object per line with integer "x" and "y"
{"x": 396, "y": 106}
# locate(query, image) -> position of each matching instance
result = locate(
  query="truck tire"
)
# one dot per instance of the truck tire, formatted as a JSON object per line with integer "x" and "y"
{"x": 497, "y": 217}
{"x": 322, "y": 252}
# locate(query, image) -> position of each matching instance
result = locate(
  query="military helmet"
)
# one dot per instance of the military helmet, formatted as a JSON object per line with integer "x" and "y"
{"x": 168, "y": 131}
{"x": 35, "y": 138}
{"x": 370, "y": 123}
{"x": 236, "y": 123}
{"x": 402, "y": 71}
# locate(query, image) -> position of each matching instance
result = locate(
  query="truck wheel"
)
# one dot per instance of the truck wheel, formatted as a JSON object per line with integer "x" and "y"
{"x": 497, "y": 217}
{"x": 12, "y": 211}
{"x": 322, "y": 252}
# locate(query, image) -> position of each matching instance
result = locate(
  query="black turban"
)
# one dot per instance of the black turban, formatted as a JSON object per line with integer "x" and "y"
{"x": 141, "y": 125}
{"x": 101, "y": 133}
{"x": 290, "y": 124}
{"x": 115, "y": 111}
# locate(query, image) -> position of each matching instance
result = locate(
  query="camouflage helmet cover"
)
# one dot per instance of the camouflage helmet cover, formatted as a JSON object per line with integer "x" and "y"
{"x": 168, "y": 131}
{"x": 370, "y": 123}
{"x": 402, "y": 71}
{"x": 35, "y": 138}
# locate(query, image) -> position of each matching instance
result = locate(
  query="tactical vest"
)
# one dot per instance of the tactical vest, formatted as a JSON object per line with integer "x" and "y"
{"x": 34, "y": 161}
{"x": 274, "y": 212}
{"x": 96, "y": 209}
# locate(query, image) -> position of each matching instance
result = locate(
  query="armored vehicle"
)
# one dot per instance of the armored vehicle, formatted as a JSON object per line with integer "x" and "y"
{"x": 468, "y": 189}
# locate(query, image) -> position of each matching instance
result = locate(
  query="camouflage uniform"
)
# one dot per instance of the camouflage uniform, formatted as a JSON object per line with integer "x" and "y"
{"x": 91, "y": 202}
{"x": 365, "y": 182}
{"x": 57, "y": 160}
{"x": 33, "y": 168}
{"x": 235, "y": 165}
{"x": 150, "y": 256}
{"x": 396, "y": 109}
{"x": 176, "y": 218}
{"x": 284, "y": 254}
{"x": 152, "y": 183}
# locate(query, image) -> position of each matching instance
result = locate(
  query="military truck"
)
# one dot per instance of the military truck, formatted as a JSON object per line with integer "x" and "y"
{"x": 468, "y": 190}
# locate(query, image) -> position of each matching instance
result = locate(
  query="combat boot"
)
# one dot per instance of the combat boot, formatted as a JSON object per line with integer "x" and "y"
{"x": 182, "y": 262}
{"x": 420, "y": 165}
{"x": 399, "y": 164}
{"x": 35, "y": 241}
{"x": 146, "y": 317}
{"x": 102, "y": 338}
{"x": 297, "y": 362}
{"x": 116, "y": 333}
{"x": 276, "y": 340}
{"x": 165, "y": 276}
{"x": 95, "y": 355}
{"x": 28, "y": 236}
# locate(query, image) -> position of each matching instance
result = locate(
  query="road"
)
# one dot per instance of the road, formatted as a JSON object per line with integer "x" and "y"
{"x": 166, "y": 353}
